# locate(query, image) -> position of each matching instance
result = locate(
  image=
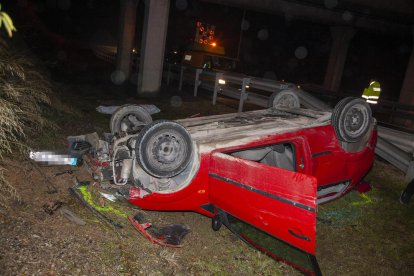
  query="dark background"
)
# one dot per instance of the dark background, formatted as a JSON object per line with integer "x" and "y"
{"x": 63, "y": 31}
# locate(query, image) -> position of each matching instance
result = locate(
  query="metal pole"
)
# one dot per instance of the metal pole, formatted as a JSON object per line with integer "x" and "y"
{"x": 243, "y": 94}
{"x": 197, "y": 81}
{"x": 216, "y": 87}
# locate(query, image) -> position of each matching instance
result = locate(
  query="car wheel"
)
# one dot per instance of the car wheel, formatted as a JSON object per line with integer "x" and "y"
{"x": 351, "y": 118}
{"x": 284, "y": 98}
{"x": 129, "y": 118}
{"x": 163, "y": 149}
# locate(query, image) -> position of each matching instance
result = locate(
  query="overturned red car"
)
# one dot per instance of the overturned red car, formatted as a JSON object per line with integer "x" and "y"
{"x": 261, "y": 173}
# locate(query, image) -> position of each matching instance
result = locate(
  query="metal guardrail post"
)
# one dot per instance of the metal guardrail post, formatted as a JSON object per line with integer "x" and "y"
{"x": 243, "y": 94}
{"x": 410, "y": 171}
{"x": 216, "y": 87}
{"x": 180, "y": 85}
{"x": 197, "y": 81}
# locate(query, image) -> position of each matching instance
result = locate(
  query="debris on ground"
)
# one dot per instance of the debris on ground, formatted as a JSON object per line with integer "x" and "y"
{"x": 51, "y": 188}
{"x": 65, "y": 172}
{"x": 51, "y": 207}
{"x": 170, "y": 235}
{"x": 109, "y": 197}
{"x": 71, "y": 216}
{"x": 363, "y": 187}
{"x": 79, "y": 148}
{"x": 80, "y": 144}
{"x": 80, "y": 191}
{"x": 94, "y": 208}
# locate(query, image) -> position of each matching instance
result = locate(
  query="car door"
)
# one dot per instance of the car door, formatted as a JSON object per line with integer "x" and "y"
{"x": 271, "y": 208}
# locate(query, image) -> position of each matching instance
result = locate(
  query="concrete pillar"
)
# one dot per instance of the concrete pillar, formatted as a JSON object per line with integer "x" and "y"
{"x": 152, "y": 46}
{"x": 341, "y": 37}
{"x": 126, "y": 36}
{"x": 407, "y": 90}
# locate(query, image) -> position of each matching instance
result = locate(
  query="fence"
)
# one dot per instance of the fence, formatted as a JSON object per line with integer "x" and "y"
{"x": 237, "y": 86}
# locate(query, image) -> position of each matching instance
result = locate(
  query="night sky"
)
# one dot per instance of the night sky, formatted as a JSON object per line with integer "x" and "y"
{"x": 271, "y": 46}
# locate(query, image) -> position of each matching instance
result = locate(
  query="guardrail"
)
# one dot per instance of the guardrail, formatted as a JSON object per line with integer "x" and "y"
{"x": 109, "y": 54}
{"x": 392, "y": 112}
{"x": 106, "y": 53}
{"x": 397, "y": 147}
{"x": 244, "y": 88}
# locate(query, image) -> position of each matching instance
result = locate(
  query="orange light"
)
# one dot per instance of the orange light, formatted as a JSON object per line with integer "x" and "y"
{"x": 213, "y": 44}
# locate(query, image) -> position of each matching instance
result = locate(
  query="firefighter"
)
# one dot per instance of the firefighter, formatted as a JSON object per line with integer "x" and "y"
{"x": 372, "y": 93}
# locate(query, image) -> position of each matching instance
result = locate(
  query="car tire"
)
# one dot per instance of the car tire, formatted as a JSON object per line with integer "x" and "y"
{"x": 351, "y": 119}
{"x": 163, "y": 149}
{"x": 284, "y": 98}
{"x": 129, "y": 118}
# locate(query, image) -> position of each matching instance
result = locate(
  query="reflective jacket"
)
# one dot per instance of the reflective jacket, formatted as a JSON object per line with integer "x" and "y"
{"x": 372, "y": 93}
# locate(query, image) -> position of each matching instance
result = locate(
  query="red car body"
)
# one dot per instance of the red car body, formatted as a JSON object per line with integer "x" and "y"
{"x": 281, "y": 202}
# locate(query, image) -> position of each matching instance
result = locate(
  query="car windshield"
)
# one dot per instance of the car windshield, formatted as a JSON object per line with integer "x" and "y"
{"x": 273, "y": 247}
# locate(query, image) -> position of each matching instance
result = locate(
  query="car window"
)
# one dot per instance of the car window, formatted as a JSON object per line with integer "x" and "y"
{"x": 281, "y": 155}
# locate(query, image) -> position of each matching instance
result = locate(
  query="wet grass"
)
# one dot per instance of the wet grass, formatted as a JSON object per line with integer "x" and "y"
{"x": 368, "y": 233}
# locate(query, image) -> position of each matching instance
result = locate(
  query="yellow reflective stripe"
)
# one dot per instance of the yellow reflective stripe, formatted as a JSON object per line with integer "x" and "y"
{"x": 377, "y": 89}
{"x": 371, "y": 102}
{"x": 365, "y": 97}
{"x": 374, "y": 97}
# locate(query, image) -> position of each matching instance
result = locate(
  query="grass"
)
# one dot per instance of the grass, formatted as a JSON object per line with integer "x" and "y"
{"x": 372, "y": 231}
{"x": 23, "y": 92}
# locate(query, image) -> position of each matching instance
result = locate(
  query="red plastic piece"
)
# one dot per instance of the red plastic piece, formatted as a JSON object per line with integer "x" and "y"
{"x": 141, "y": 227}
{"x": 363, "y": 187}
